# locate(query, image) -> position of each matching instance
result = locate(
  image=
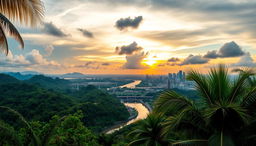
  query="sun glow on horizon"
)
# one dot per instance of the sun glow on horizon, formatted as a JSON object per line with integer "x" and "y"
{"x": 150, "y": 62}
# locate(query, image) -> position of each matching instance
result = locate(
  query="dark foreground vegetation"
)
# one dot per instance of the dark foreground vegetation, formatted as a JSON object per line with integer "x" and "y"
{"x": 223, "y": 114}
{"x": 77, "y": 115}
{"x": 220, "y": 112}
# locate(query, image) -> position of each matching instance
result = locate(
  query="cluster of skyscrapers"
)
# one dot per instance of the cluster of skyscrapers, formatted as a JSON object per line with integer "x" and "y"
{"x": 178, "y": 80}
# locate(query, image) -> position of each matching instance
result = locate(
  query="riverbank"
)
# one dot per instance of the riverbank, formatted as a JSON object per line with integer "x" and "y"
{"x": 120, "y": 124}
{"x": 142, "y": 114}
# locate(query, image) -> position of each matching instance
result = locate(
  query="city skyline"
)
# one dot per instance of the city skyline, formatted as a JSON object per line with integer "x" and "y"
{"x": 136, "y": 37}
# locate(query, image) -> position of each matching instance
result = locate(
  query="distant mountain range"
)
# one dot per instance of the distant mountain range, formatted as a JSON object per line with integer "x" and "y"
{"x": 26, "y": 75}
{"x": 73, "y": 75}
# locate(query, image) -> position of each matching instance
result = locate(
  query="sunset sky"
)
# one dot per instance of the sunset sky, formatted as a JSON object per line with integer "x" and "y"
{"x": 137, "y": 37}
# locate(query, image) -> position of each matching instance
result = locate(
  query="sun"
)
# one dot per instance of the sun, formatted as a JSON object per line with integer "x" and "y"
{"x": 150, "y": 62}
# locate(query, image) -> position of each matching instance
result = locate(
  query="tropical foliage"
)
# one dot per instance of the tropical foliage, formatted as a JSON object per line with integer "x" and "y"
{"x": 223, "y": 114}
{"x": 35, "y": 103}
{"x": 63, "y": 131}
{"x": 28, "y": 12}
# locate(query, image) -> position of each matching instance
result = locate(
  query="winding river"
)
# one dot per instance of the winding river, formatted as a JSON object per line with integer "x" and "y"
{"x": 140, "y": 108}
{"x": 142, "y": 114}
{"x": 131, "y": 85}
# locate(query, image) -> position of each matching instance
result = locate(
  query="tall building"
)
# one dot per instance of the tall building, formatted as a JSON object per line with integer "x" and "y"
{"x": 180, "y": 75}
{"x": 183, "y": 76}
{"x": 176, "y": 80}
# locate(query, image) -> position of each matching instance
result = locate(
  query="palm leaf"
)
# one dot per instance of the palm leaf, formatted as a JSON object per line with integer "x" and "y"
{"x": 10, "y": 29}
{"x": 220, "y": 84}
{"x": 240, "y": 84}
{"x": 192, "y": 142}
{"x": 249, "y": 101}
{"x": 221, "y": 138}
{"x": 34, "y": 137}
{"x": 28, "y": 12}
{"x": 138, "y": 142}
{"x": 190, "y": 122}
{"x": 149, "y": 131}
{"x": 170, "y": 102}
{"x": 3, "y": 41}
{"x": 202, "y": 85}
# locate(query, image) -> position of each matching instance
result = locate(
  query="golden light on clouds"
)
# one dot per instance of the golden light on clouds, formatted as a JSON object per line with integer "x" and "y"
{"x": 165, "y": 31}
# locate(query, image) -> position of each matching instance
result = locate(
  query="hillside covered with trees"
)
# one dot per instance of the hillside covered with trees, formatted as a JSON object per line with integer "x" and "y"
{"x": 35, "y": 103}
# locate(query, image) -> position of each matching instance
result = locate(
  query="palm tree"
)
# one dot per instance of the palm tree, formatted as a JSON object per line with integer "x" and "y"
{"x": 27, "y": 12}
{"x": 223, "y": 115}
{"x": 150, "y": 132}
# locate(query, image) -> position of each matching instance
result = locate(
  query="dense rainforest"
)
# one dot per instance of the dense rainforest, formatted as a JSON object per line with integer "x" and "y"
{"x": 99, "y": 109}
{"x": 56, "y": 114}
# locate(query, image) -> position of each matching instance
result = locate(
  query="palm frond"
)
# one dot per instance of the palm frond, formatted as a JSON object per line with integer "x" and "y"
{"x": 221, "y": 138}
{"x": 3, "y": 41}
{"x": 202, "y": 85}
{"x": 220, "y": 84}
{"x": 249, "y": 101}
{"x": 10, "y": 29}
{"x": 149, "y": 130}
{"x": 190, "y": 122}
{"x": 192, "y": 142}
{"x": 241, "y": 84}
{"x": 34, "y": 137}
{"x": 138, "y": 142}
{"x": 229, "y": 118}
{"x": 28, "y": 12}
{"x": 170, "y": 102}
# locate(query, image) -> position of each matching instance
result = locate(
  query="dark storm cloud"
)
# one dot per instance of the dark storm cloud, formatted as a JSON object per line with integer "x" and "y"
{"x": 230, "y": 49}
{"x": 129, "y": 49}
{"x": 86, "y": 33}
{"x": 125, "y": 23}
{"x": 173, "y": 59}
{"x": 51, "y": 29}
{"x": 194, "y": 59}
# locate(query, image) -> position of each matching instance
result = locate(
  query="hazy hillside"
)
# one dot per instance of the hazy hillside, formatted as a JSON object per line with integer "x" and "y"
{"x": 4, "y": 79}
{"x": 49, "y": 83}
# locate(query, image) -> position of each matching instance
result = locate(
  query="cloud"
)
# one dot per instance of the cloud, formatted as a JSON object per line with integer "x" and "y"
{"x": 182, "y": 37}
{"x": 129, "y": 49}
{"x": 211, "y": 54}
{"x": 31, "y": 59}
{"x": 230, "y": 49}
{"x": 92, "y": 65}
{"x": 49, "y": 49}
{"x": 173, "y": 59}
{"x": 125, "y": 23}
{"x": 245, "y": 61}
{"x": 51, "y": 29}
{"x": 14, "y": 61}
{"x": 86, "y": 33}
{"x": 35, "y": 58}
{"x": 135, "y": 61}
{"x": 194, "y": 59}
